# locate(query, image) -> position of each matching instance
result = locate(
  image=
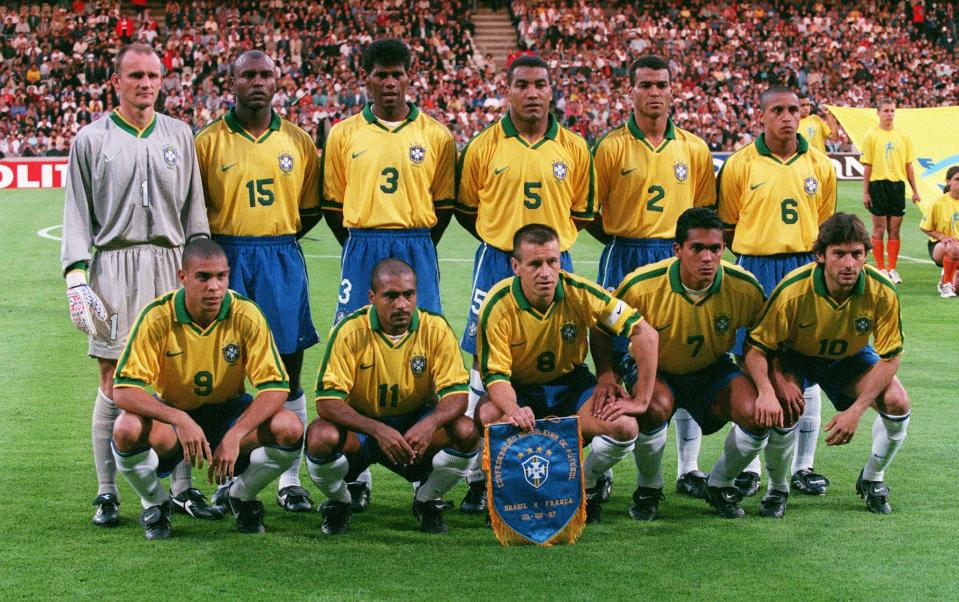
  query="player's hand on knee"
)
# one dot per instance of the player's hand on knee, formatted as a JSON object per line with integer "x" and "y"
{"x": 623, "y": 406}
{"x": 395, "y": 446}
{"x": 842, "y": 427}
{"x": 768, "y": 412}
{"x": 419, "y": 437}
{"x": 522, "y": 418}
{"x": 224, "y": 460}
{"x": 195, "y": 446}
{"x": 84, "y": 303}
{"x": 604, "y": 394}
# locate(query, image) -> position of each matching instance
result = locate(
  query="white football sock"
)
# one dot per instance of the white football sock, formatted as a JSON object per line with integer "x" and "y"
{"x": 449, "y": 468}
{"x": 365, "y": 477}
{"x": 140, "y": 470}
{"x": 291, "y": 476}
{"x": 739, "y": 449}
{"x": 888, "y": 434}
{"x": 689, "y": 437}
{"x": 266, "y": 463}
{"x": 754, "y": 466}
{"x": 604, "y": 453}
{"x": 105, "y": 413}
{"x": 328, "y": 476}
{"x": 779, "y": 456}
{"x": 477, "y": 390}
{"x": 808, "y": 434}
{"x": 474, "y": 473}
{"x": 648, "y": 455}
{"x": 181, "y": 478}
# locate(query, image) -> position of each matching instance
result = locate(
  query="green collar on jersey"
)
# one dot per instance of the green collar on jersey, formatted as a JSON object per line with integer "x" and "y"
{"x": 237, "y": 128}
{"x": 516, "y": 287}
{"x": 377, "y": 327}
{"x": 676, "y": 282}
{"x": 819, "y": 283}
{"x": 802, "y": 145}
{"x": 371, "y": 117}
{"x": 552, "y": 129}
{"x": 637, "y": 133}
{"x": 183, "y": 316}
{"x": 131, "y": 129}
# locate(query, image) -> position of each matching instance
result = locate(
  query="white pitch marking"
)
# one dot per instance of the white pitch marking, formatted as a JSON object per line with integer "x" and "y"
{"x": 916, "y": 259}
{"x": 45, "y": 232}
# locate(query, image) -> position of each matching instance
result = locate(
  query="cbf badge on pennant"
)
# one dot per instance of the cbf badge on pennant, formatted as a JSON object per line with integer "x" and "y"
{"x": 534, "y": 481}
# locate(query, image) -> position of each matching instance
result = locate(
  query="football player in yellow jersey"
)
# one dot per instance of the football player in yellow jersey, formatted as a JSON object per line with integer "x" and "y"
{"x": 387, "y": 181}
{"x": 534, "y": 332}
{"x": 696, "y": 302}
{"x": 817, "y": 325}
{"x": 813, "y": 128}
{"x": 941, "y": 224}
{"x": 522, "y": 169}
{"x": 261, "y": 182}
{"x": 392, "y": 390}
{"x": 648, "y": 171}
{"x": 773, "y": 194}
{"x": 887, "y": 158}
{"x": 195, "y": 347}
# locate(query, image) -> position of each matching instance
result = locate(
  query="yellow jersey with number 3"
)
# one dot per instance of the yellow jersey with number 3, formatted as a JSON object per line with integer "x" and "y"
{"x": 189, "y": 366}
{"x": 775, "y": 205}
{"x": 379, "y": 376}
{"x": 517, "y": 343}
{"x": 509, "y": 182}
{"x": 257, "y": 186}
{"x": 388, "y": 178}
{"x": 693, "y": 333}
{"x": 643, "y": 190}
{"x": 802, "y": 316}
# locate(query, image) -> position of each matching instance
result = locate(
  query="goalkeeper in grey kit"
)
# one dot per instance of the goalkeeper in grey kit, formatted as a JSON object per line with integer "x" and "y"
{"x": 134, "y": 197}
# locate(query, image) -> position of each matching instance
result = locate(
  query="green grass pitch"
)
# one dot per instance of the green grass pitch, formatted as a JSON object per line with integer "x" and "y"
{"x": 825, "y": 548}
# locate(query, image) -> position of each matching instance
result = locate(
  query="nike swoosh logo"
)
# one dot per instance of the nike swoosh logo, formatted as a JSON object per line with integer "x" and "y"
{"x": 168, "y": 354}
{"x": 111, "y": 157}
{"x": 755, "y": 186}
{"x": 807, "y": 325}
{"x": 365, "y": 366}
{"x": 662, "y": 328}
{"x": 626, "y": 172}
{"x": 500, "y": 170}
{"x": 355, "y": 155}
{"x": 228, "y": 167}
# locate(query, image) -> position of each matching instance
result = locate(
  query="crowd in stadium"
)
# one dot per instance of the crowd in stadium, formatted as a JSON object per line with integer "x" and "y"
{"x": 56, "y": 59}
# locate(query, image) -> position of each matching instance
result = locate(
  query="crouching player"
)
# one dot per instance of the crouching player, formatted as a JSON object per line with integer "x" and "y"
{"x": 391, "y": 390}
{"x": 195, "y": 346}
{"x": 816, "y": 325}
{"x": 696, "y": 302}
{"x": 534, "y": 330}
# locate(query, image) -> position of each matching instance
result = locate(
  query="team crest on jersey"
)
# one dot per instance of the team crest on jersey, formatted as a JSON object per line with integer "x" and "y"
{"x": 418, "y": 365}
{"x": 810, "y": 185}
{"x": 536, "y": 470}
{"x": 417, "y": 154}
{"x": 170, "y": 156}
{"x": 721, "y": 323}
{"x": 471, "y": 329}
{"x": 681, "y": 171}
{"x": 568, "y": 332}
{"x": 231, "y": 353}
{"x": 560, "y": 170}
{"x": 863, "y": 324}
{"x": 286, "y": 162}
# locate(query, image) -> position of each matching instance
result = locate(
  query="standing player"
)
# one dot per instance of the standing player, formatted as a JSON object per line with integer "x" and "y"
{"x": 813, "y": 128}
{"x": 887, "y": 158}
{"x": 941, "y": 224}
{"x": 524, "y": 168}
{"x": 134, "y": 196}
{"x": 773, "y": 194}
{"x": 388, "y": 189}
{"x": 196, "y": 347}
{"x": 696, "y": 302}
{"x": 534, "y": 331}
{"x": 668, "y": 170}
{"x": 260, "y": 179}
{"x": 818, "y": 323}
{"x": 392, "y": 390}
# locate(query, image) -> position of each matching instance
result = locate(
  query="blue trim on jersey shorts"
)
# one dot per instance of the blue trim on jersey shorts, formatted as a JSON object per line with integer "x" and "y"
{"x": 363, "y": 249}
{"x": 622, "y": 255}
{"x": 372, "y": 454}
{"x": 769, "y": 270}
{"x": 271, "y": 271}
{"x": 215, "y": 420}
{"x": 695, "y": 392}
{"x": 563, "y": 396}
{"x": 490, "y": 265}
{"x": 833, "y": 376}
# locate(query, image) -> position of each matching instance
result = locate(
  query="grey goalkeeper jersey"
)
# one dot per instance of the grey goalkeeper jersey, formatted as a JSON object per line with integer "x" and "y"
{"x": 128, "y": 187}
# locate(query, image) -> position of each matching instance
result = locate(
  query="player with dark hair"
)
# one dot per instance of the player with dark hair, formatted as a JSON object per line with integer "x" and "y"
{"x": 391, "y": 390}
{"x": 813, "y": 127}
{"x": 887, "y": 158}
{"x": 524, "y": 168}
{"x": 196, "y": 347}
{"x": 817, "y": 325}
{"x": 941, "y": 224}
{"x": 261, "y": 183}
{"x": 667, "y": 170}
{"x": 133, "y": 196}
{"x": 534, "y": 331}
{"x": 695, "y": 301}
